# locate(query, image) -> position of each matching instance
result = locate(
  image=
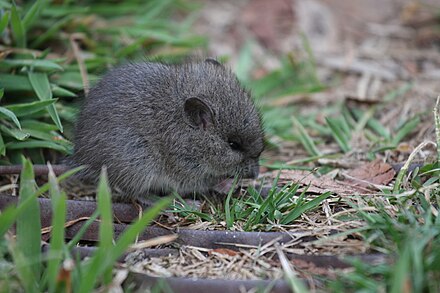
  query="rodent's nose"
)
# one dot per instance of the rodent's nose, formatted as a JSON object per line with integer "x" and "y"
{"x": 251, "y": 171}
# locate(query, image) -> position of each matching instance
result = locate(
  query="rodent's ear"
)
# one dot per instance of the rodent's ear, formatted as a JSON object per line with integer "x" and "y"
{"x": 198, "y": 114}
{"x": 213, "y": 61}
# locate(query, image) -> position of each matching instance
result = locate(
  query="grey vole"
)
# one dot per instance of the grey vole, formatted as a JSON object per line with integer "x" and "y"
{"x": 159, "y": 128}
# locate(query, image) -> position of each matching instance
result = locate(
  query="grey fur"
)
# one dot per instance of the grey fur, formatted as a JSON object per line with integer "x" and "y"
{"x": 159, "y": 128}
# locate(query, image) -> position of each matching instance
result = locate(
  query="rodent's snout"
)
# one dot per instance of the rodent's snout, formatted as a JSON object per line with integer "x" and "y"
{"x": 251, "y": 171}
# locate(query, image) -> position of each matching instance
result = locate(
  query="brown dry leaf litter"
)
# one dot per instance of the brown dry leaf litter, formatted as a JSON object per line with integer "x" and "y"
{"x": 314, "y": 184}
{"x": 375, "y": 173}
{"x": 205, "y": 263}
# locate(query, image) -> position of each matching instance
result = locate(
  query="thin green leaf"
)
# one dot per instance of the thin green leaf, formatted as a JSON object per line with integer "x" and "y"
{"x": 106, "y": 225}
{"x": 98, "y": 264}
{"x": 40, "y": 83}
{"x": 29, "y": 226}
{"x": 74, "y": 241}
{"x": 402, "y": 274}
{"x": 2, "y": 147}
{"x": 135, "y": 229}
{"x": 406, "y": 129}
{"x": 338, "y": 134}
{"x": 45, "y": 187}
{"x": 8, "y": 113}
{"x": 31, "y": 144}
{"x": 33, "y": 13}
{"x": 305, "y": 138}
{"x": 37, "y": 64}
{"x": 61, "y": 92}
{"x": 245, "y": 62}
{"x": 4, "y": 22}
{"x": 228, "y": 214}
{"x": 58, "y": 201}
{"x": 7, "y": 219}
{"x": 38, "y": 125}
{"x": 298, "y": 210}
{"x": 53, "y": 29}
{"x": 17, "y": 28}
{"x": 14, "y": 82}
{"x": 26, "y": 109}
{"x": 49, "y": 136}
{"x": 16, "y": 133}
{"x": 24, "y": 271}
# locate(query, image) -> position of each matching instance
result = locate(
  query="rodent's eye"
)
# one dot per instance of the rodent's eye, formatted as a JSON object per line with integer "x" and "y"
{"x": 234, "y": 145}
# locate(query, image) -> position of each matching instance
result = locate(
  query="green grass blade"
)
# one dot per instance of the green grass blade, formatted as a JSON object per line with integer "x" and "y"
{"x": 300, "y": 209}
{"x": 29, "y": 226}
{"x": 97, "y": 264}
{"x": 41, "y": 85}
{"x": 230, "y": 216}
{"x": 305, "y": 138}
{"x": 40, "y": 65}
{"x": 26, "y": 109}
{"x": 16, "y": 133}
{"x": 61, "y": 92}
{"x": 23, "y": 270}
{"x": 4, "y": 22}
{"x": 131, "y": 232}
{"x": 245, "y": 62}
{"x": 2, "y": 146}
{"x": 55, "y": 28}
{"x": 74, "y": 241}
{"x": 55, "y": 255}
{"x": 8, "y": 113}
{"x": 14, "y": 82}
{"x": 401, "y": 273}
{"x": 101, "y": 262}
{"x": 17, "y": 28}
{"x": 45, "y": 187}
{"x": 33, "y": 13}
{"x": 38, "y": 125}
{"x": 373, "y": 124}
{"x": 7, "y": 218}
{"x": 338, "y": 134}
{"x": 398, "y": 92}
{"x": 106, "y": 225}
{"x": 32, "y": 144}
{"x": 406, "y": 129}
{"x": 264, "y": 207}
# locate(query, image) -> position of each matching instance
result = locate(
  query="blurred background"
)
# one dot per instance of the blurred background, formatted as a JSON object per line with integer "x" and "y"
{"x": 358, "y": 78}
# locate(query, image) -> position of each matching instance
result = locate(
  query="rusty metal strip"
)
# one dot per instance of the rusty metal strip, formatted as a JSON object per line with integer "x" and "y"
{"x": 87, "y": 251}
{"x": 184, "y": 285}
{"x": 76, "y": 209}
{"x": 206, "y": 239}
{"x": 335, "y": 261}
{"x": 38, "y": 169}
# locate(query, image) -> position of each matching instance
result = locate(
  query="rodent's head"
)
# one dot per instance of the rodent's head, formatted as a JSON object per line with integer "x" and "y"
{"x": 222, "y": 134}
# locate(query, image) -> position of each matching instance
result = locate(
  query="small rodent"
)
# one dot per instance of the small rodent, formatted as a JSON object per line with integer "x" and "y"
{"x": 160, "y": 128}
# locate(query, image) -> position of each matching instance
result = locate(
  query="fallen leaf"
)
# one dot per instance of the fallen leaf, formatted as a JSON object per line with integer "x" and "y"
{"x": 376, "y": 172}
{"x": 224, "y": 251}
{"x": 315, "y": 184}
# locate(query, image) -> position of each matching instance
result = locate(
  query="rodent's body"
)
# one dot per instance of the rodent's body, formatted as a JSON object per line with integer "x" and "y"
{"x": 159, "y": 128}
